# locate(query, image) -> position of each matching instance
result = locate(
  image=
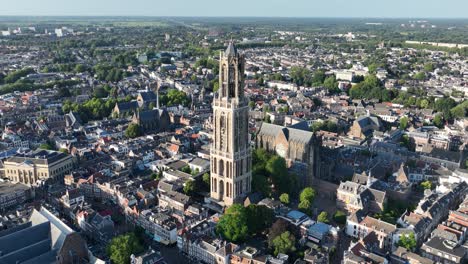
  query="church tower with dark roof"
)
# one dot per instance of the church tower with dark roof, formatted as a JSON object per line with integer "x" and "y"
{"x": 231, "y": 160}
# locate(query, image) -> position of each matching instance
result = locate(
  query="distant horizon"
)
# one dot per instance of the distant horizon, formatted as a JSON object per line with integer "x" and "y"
{"x": 208, "y": 16}
{"x": 429, "y": 9}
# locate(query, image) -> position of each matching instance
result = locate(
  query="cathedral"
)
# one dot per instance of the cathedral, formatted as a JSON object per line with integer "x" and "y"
{"x": 231, "y": 159}
{"x": 297, "y": 145}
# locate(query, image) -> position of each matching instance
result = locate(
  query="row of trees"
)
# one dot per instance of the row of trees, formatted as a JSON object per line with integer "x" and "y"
{"x": 326, "y": 125}
{"x": 303, "y": 76}
{"x": 93, "y": 109}
{"x": 66, "y": 67}
{"x": 109, "y": 73}
{"x": 27, "y": 85}
{"x": 15, "y": 75}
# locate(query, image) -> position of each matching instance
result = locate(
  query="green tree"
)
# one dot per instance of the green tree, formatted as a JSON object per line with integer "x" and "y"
{"x": 428, "y": 67}
{"x": 16, "y": 75}
{"x": 424, "y": 103}
{"x": 284, "y": 243}
{"x": 207, "y": 179}
{"x": 331, "y": 84}
{"x": 444, "y": 105}
{"x": 408, "y": 241}
{"x": 323, "y": 217}
{"x": 194, "y": 78}
{"x": 460, "y": 110}
{"x": 340, "y": 217}
{"x": 318, "y": 78}
{"x": 63, "y": 92}
{"x": 259, "y": 217}
{"x": 80, "y": 68}
{"x": 63, "y": 150}
{"x": 426, "y": 185}
{"x": 403, "y": 123}
{"x": 406, "y": 142}
{"x": 260, "y": 184}
{"x": 306, "y": 199}
{"x": 189, "y": 187}
{"x": 216, "y": 85}
{"x": 186, "y": 169}
{"x": 121, "y": 247}
{"x": 420, "y": 76}
{"x": 438, "y": 121}
{"x": 307, "y": 194}
{"x": 156, "y": 176}
{"x": 232, "y": 226}
{"x": 175, "y": 97}
{"x": 100, "y": 92}
{"x": 305, "y": 207}
{"x": 133, "y": 131}
{"x": 299, "y": 75}
{"x": 276, "y": 168}
{"x": 284, "y": 198}
{"x": 46, "y": 146}
{"x": 279, "y": 226}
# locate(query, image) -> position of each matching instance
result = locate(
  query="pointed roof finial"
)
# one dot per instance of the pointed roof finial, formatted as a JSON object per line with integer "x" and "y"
{"x": 231, "y": 49}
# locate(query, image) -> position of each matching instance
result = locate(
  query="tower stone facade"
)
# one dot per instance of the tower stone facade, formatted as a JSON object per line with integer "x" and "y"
{"x": 231, "y": 159}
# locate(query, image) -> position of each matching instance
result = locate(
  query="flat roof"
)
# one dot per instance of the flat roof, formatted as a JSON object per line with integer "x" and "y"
{"x": 8, "y": 188}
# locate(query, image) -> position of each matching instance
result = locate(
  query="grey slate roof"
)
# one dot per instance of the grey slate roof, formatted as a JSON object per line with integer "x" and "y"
{"x": 126, "y": 106}
{"x": 291, "y": 134}
{"x": 148, "y": 96}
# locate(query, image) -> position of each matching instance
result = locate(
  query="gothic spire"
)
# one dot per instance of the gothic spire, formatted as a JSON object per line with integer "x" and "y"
{"x": 231, "y": 49}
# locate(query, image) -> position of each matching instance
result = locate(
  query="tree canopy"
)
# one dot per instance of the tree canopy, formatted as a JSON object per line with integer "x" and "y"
{"x": 284, "y": 198}
{"x": 133, "y": 131}
{"x": 259, "y": 217}
{"x": 426, "y": 185}
{"x": 306, "y": 199}
{"x": 370, "y": 88}
{"x": 174, "y": 97}
{"x": 122, "y": 247}
{"x": 270, "y": 169}
{"x": 232, "y": 226}
{"x": 189, "y": 187}
{"x": 408, "y": 241}
{"x": 323, "y": 217}
{"x": 340, "y": 217}
{"x": 284, "y": 243}
{"x": 403, "y": 123}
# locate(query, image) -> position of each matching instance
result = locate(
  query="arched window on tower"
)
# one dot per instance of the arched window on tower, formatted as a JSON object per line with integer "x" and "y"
{"x": 214, "y": 165}
{"x": 222, "y": 125}
{"x": 232, "y": 81}
{"x": 221, "y": 168}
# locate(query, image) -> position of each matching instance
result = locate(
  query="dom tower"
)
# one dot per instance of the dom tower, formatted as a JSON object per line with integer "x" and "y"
{"x": 230, "y": 153}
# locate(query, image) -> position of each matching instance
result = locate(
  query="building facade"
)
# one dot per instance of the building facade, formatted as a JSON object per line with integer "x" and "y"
{"x": 41, "y": 165}
{"x": 231, "y": 159}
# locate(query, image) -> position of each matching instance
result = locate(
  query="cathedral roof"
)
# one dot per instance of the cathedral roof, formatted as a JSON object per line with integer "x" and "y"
{"x": 291, "y": 134}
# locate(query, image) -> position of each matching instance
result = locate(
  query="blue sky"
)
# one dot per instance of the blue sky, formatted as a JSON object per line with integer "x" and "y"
{"x": 269, "y": 8}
